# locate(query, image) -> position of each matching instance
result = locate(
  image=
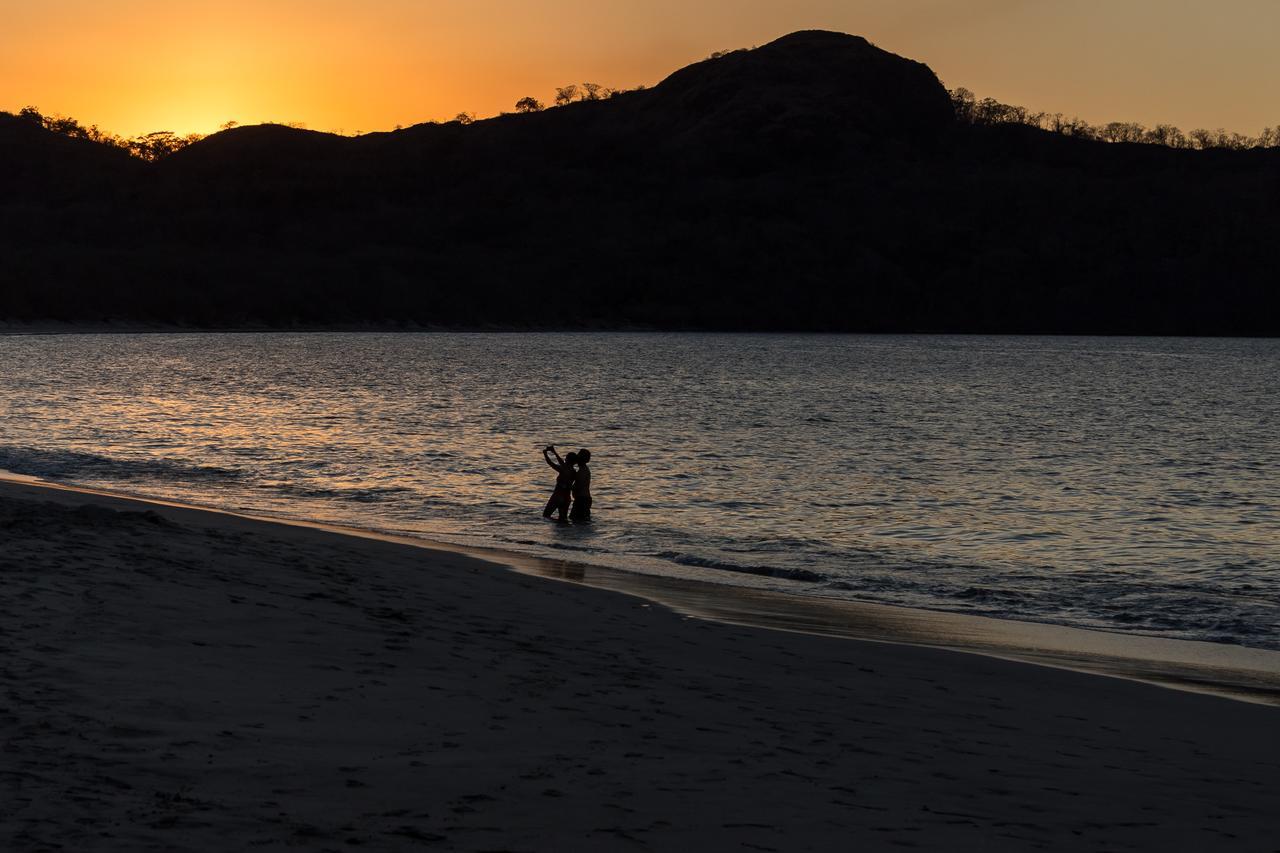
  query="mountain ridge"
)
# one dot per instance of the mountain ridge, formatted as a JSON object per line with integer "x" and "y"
{"x": 815, "y": 183}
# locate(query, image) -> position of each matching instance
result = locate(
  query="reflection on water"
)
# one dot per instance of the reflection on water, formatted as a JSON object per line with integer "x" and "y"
{"x": 1116, "y": 483}
{"x": 565, "y": 571}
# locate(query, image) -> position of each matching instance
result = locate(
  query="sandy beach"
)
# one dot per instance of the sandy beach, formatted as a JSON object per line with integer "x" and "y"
{"x": 184, "y": 680}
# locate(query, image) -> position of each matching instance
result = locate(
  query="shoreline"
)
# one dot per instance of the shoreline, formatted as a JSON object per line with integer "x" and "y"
{"x": 1234, "y": 672}
{"x": 56, "y": 329}
{"x": 189, "y": 680}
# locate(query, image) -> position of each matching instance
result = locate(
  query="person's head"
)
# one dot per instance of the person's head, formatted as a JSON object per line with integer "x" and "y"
{"x": 584, "y": 456}
{"x": 571, "y": 459}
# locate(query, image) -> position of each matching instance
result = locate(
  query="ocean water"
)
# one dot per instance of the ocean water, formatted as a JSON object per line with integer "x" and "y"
{"x": 1123, "y": 484}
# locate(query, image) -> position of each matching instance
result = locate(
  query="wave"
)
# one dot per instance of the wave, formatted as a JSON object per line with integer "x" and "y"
{"x": 367, "y": 494}
{"x": 803, "y": 575}
{"x": 73, "y": 465}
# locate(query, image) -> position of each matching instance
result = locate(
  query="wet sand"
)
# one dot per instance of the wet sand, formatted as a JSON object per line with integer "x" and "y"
{"x": 182, "y": 680}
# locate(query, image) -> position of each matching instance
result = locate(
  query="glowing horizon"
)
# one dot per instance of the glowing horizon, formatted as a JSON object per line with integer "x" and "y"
{"x": 339, "y": 65}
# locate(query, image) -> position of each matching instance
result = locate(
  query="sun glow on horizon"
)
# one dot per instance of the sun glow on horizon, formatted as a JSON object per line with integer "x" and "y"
{"x": 136, "y": 66}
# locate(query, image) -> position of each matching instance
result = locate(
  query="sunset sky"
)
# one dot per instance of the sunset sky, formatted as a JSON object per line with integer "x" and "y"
{"x": 133, "y": 66}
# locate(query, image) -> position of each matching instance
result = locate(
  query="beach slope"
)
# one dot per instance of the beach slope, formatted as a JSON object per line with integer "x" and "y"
{"x": 180, "y": 680}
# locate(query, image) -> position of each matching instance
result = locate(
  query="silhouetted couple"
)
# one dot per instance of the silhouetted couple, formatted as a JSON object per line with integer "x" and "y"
{"x": 573, "y": 480}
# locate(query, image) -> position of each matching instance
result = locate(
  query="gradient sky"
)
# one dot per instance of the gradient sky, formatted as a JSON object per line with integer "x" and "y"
{"x": 133, "y": 66}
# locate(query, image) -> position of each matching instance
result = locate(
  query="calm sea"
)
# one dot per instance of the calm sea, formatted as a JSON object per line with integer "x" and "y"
{"x": 1127, "y": 484}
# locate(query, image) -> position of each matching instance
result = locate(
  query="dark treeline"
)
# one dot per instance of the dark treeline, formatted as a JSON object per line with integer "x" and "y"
{"x": 989, "y": 111}
{"x": 815, "y": 183}
{"x": 161, "y": 143}
{"x": 148, "y": 146}
{"x": 968, "y": 109}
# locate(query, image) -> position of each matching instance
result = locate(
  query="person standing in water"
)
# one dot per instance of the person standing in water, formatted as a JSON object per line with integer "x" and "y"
{"x": 565, "y": 476}
{"x": 582, "y": 489}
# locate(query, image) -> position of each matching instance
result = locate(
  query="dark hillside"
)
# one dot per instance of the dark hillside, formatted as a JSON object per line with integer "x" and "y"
{"x": 37, "y": 163}
{"x": 835, "y": 86}
{"x": 813, "y": 183}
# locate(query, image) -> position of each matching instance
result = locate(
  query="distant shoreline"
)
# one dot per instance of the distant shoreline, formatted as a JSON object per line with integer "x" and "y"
{"x": 47, "y": 329}
{"x": 56, "y": 329}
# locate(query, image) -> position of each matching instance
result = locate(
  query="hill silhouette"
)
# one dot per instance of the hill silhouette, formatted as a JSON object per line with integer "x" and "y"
{"x": 33, "y": 160}
{"x": 814, "y": 183}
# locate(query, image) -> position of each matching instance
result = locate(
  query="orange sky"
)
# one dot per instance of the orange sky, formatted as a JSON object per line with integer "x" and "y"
{"x": 133, "y": 66}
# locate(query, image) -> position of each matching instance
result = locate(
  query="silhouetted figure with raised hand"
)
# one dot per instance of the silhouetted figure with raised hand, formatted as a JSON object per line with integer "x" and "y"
{"x": 559, "y": 501}
{"x": 582, "y": 489}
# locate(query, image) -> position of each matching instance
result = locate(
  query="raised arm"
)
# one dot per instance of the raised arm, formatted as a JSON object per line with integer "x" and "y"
{"x": 547, "y": 453}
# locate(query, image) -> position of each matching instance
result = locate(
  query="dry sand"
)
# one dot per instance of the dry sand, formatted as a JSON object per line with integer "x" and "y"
{"x": 179, "y": 680}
